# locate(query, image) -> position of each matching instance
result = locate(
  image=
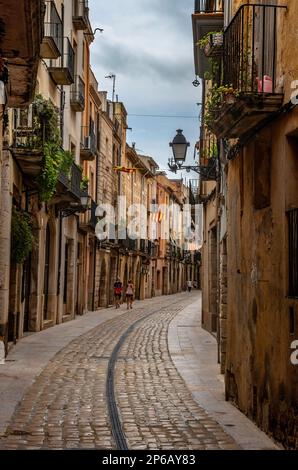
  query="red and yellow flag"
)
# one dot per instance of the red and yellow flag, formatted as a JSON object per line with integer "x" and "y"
{"x": 124, "y": 169}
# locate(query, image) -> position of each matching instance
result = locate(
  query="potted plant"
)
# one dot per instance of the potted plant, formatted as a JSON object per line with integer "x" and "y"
{"x": 212, "y": 43}
{"x": 217, "y": 97}
{"x": 84, "y": 184}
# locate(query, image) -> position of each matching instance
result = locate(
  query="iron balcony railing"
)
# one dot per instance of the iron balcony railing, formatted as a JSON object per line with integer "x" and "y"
{"x": 151, "y": 249}
{"x": 77, "y": 94}
{"x": 26, "y": 134}
{"x": 72, "y": 181}
{"x": 209, "y": 6}
{"x": 210, "y": 170}
{"x": 53, "y": 26}
{"x": 250, "y": 49}
{"x": 62, "y": 69}
{"x": 194, "y": 185}
{"x": 144, "y": 246}
{"x": 81, "y": 14}
{"x": 93, "y": 218}
{"x": 76, "y": 179}
{"x": 88, "y": 139}
{"x": 208, "y": 146}
{"x": 132, "y": 244}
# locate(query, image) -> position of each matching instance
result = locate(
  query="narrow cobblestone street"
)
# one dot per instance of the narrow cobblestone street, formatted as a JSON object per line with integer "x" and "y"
{"x": 67, "y": 405}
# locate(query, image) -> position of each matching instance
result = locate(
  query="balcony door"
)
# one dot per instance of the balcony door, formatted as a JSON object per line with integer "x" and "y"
{"x": 265, "y": 42}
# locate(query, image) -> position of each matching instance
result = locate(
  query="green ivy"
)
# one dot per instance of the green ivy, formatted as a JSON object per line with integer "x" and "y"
{"x": 56, "y": 160}
{"x": 84, "y": 183}
{"x": 22, "y": 239}
{"x": 46, "y": 135}
{"x": 215, "y": 100}
{"x": 204, "y": 41}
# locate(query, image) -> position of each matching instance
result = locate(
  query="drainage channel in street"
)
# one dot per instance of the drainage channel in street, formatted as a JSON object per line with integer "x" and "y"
{"x": 117, "y": 431}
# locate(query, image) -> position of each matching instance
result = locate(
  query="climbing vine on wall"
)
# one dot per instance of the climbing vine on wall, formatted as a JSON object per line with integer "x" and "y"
{"x": 22, "y": 238}
{"x": 46, "y": 135}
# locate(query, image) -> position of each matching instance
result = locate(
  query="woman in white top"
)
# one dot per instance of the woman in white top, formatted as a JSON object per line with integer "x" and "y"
{"x": 129, "y": 294}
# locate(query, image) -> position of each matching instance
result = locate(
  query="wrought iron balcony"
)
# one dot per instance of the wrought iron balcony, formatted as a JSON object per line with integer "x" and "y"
{"x": 132, "y": 244}
{"x": 77, "y": 95}
{"x": 88, "y": 143}
{"x": 62, "y": 69}
{"x": 249, "y": 72}
{"x": 187, "y": 256}
{"x": 144, "y": 246}
{"x": 195, "y": 186}
{"x": 210, "y": 171}
{"x": 152, "y": 249}
{"x": 69, "y": 186}
{"x": 52, "y": 44}
{"x": 81, "y": 14}
{"x": 208, "y": 17}
{"x": 27, "y": 142}
{"x": 89, "y": 220}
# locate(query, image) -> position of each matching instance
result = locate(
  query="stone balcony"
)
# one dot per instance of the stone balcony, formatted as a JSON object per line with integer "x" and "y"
{"x": 21, "y": 32}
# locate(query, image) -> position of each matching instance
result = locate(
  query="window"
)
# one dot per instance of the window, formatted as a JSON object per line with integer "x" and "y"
{"x": 114, "y": 155}
{"x": 293, "y": 252}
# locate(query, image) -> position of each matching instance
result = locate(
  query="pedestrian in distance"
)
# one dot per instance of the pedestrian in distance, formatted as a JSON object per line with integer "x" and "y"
{"x": 189, "y": 286}
{"x": 129, "y": 294}
{"x": 117, "y": 292}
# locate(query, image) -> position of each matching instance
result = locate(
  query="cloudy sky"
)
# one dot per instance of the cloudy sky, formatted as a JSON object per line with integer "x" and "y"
{"x": 148, "y": 45}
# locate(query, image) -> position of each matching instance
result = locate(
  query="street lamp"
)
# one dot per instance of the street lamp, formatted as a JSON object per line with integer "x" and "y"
{"x": 176, "y": 163}
{"x": 179, "y": 147}
{"x": 78, "y": 207}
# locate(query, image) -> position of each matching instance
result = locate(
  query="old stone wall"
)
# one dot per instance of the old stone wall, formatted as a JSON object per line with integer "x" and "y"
{"x": 262, "y": 187}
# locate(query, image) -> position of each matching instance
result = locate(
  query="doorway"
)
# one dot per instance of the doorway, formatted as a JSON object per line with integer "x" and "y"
{"x": 213, "y": 279}
{"x": 27, "y": 293}
{"x": 102, "y": 285}
{"x": 47, "y": 274}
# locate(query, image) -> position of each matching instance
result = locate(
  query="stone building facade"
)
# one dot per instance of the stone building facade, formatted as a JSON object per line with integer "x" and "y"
{"x": 64, "y": 152}
{"x": 43, "y": 289}
{"x": 21, "y": 74}
{"x": 255, "y": 124}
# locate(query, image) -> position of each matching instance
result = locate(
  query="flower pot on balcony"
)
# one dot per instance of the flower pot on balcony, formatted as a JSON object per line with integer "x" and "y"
{"x": 214, "y": 46}
{"x": 229, "y": 98}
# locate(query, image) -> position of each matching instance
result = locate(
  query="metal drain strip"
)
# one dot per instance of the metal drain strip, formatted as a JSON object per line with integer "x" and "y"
{"x": 115, "y": 421}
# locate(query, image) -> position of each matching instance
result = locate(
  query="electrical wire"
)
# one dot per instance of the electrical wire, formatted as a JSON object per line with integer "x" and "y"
{"x": 163, "y": 116}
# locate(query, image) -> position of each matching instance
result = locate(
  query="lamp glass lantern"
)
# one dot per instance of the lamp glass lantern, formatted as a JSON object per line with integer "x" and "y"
{"x": 85, "y": 201}
{"x": 179, "y": 147}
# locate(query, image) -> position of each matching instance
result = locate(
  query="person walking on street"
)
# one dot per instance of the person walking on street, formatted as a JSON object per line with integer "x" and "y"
{"x": 129, "y": 294}
{"x": 117, "y": 292}
{"x": 189, "y": 286}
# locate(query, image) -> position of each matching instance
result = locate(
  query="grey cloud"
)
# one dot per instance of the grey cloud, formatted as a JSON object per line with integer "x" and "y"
{"x": 123, "y": 60}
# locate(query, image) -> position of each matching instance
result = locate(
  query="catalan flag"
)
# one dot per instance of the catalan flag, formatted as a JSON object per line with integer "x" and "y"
{"x": 124, "y": 169}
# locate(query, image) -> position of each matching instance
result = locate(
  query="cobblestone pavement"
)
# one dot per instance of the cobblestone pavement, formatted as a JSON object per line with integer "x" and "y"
{"x": 66, "y": 406}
